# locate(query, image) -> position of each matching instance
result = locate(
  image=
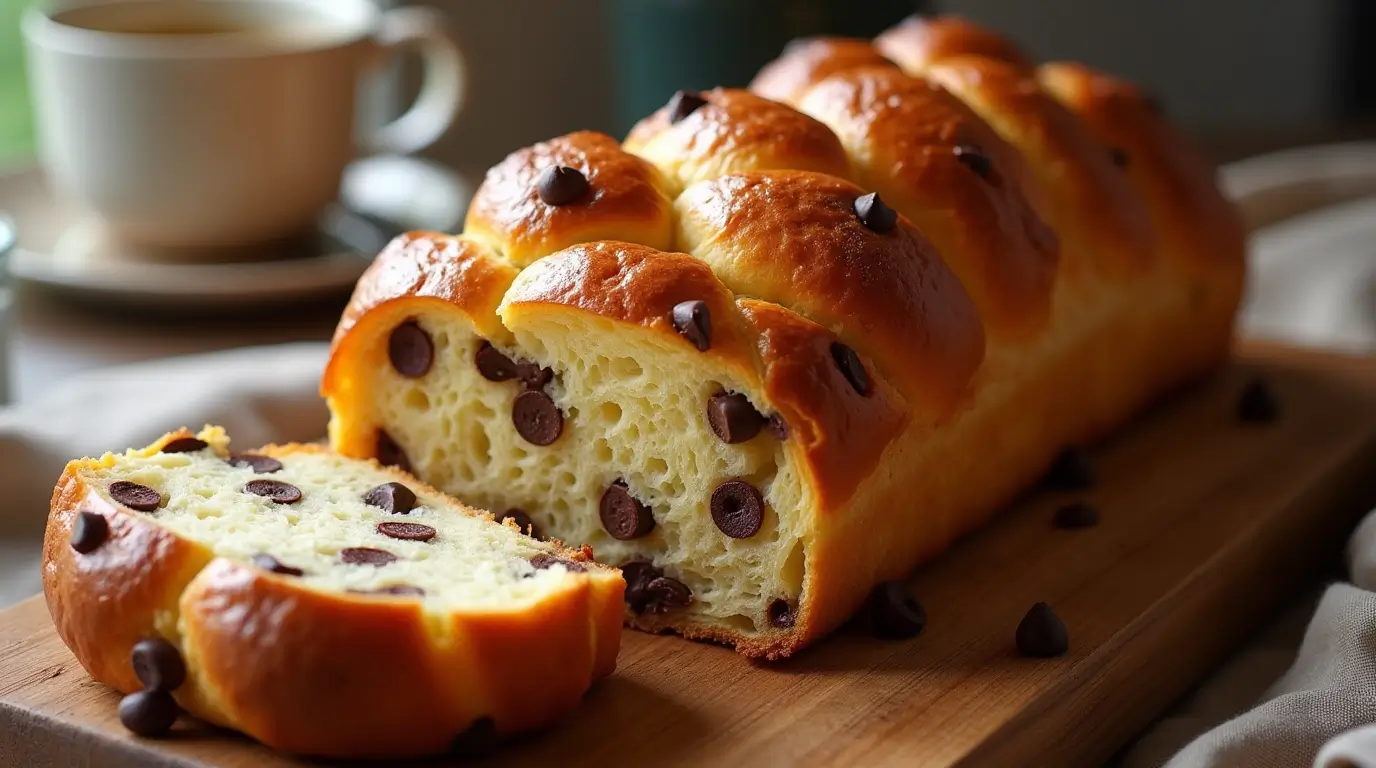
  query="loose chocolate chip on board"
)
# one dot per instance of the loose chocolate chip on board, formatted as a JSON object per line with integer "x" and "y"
{"x": 89, "y": 531}
{"x": 893, "y": 613}
{"x": 262, "y": 465}
{"x": 148, "y": 713}
{"x": 781, "y": 614}
{"x": 737, "y": 509}
{"x": 623, "y": 515}
{"x": 184, "y": 445}
{"x": 732, "y": 418}
{"x": 493, "y": 365}
{"x": 1258, "y": 403}
{"x": 1119, "y": 156}
{"x": 1072, "y": 471}
{"x": 401, "y": 590}
{"x": 478, "y": 741}
{"x": 693, "y": 321}
{"x": 273, "y": 565}
{"x": 545, "y": 560}
{"x": 536, "y": 417}
{"x": 389, "y": 454}
{"x": 135, "y": 496}
{"x": 974, "y": 158}
{"x": 406, "y": 531}
{"x": 366, "y": 556}
{"x": 778, "y": 427}
{"x": 1076, "y": 514}
{"x": 638, "y": 574}
{"x": 410, "y": 350}
{"x": 393, "y": 498}
{"x": 667, "y": 594}
{"x": 683, "y": 104}
{"x": 158, "y": 665}
{"x": 874, "y": 214}
{"x": 522, "y": 521}
{"x": 1041, "y": 634}
{"x": 561, "y": 185}
{"x": 851, "y": 367}
{"x": 274, "y": 490}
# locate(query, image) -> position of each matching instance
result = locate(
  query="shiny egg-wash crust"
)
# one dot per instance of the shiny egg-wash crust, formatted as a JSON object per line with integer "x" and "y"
{"x": 306, "y": 670}
{"x": 1029, "y": 281}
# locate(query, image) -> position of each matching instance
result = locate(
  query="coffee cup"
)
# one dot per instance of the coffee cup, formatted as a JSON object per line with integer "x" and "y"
{"x": 197, "y": 126}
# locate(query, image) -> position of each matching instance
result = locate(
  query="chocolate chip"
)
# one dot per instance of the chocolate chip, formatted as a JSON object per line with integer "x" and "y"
{"x": 737, "y": 509}
{"x": 148, "y": 713}
{"x": 893, "y": 613}
{"x": 534, "y": 376}
{"x": 522, "y": 521}
{"x": 545, "y": 560}
{"x": 536, "y": 417}
{"x": 479, "y": 740}
{"x": 184, "y": 445}
{"x": 683, "y": 104}
{"x": 561, "y": 185}
{"x": 410, "y": 350}
{"x": 876, "y": 216}
{"x": 366, "y": 556}
{"x": 406, "y": 531}
{"x": 1041, "y": 634}
{"x": 781, "y": 614}
{"x": 974, "y": 159}
{"x": 135, "y": 496}
{"x": 638, "y": 574}
{"x": 389, "y": 454}
{"x": 851, "y": 367}
{"x": 1072, "y": 471}
{"x": 393, "y": 498}
{"x": 1258, "y": 403}
{"x": 273, "y": 565}
{"x": 1119, "y": 156}
{"x": 623, "y": 516}
{"x": 158, "y": 665}
{"x": 262, "y": 465}
{"x": 732, "y": 418}
{"x": 1076, "y": 514}
{"x": 406, "y": 590}
{"x": 274, "y": 490}
{"x": 778, "y": 427}
{"x": 89, "y": 531}
{"x": 493, "y": 365}
{"x": 667, "y": 594}
{"x": 693, "y": 321}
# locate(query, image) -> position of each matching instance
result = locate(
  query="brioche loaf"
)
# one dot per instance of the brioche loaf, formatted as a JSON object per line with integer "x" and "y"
{"x": 322, "y": 605}
{"x": 781, "y": 345}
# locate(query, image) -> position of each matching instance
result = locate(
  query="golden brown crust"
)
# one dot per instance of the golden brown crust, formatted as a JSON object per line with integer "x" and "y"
{"x": 1102, "y": 222}
{"x": 454, "y": 269}
{"x": 309, "y": 671}
{"x": 794, "y": 239}
{"x": 917, "y": 42}
{"x": 838, "y": 434}
{"x": 736, "y": 131}
{"x": 627, "y": 198}
{"x": 807, "y": 61}
{"x": 905, "y": 136}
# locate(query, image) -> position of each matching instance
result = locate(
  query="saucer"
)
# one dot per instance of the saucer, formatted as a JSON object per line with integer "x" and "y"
{"x": 65, "y": 250}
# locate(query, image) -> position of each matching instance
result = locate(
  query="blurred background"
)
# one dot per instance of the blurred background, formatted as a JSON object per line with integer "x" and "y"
{"x": 1242, "y": 76}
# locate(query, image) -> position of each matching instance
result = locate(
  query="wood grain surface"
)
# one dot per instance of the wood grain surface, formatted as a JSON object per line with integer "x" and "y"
{"x": 1207, "y": 527}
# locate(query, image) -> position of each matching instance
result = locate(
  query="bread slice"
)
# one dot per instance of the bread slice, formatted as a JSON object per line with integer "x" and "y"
{"x": 322, "y": 605}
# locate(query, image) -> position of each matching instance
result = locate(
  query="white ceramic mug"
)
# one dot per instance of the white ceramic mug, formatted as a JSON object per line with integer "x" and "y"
{"x": 203, "y": 125}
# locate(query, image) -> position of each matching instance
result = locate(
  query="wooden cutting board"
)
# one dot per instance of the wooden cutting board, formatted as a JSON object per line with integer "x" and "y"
{"x": 1208, "y": 526}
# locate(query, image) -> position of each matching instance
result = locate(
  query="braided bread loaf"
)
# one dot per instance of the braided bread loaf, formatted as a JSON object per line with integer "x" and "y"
{"x": 717, "y": 356}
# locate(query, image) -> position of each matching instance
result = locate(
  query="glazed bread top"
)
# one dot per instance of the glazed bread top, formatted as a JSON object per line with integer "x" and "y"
{"x": 920, "y": 41}
{"x": 807, "y": 61}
